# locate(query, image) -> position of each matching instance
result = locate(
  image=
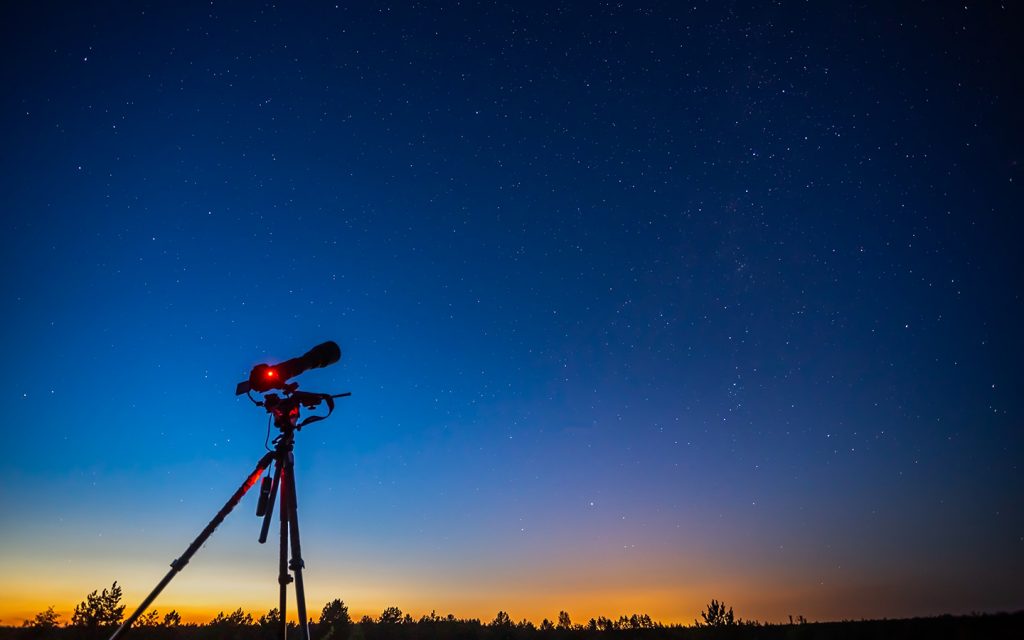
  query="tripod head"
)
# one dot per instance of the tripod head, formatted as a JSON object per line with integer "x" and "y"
{"x": 285, "y": 410}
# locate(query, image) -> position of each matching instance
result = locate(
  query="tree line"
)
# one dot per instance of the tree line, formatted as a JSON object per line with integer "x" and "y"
{"x": 96, "y": 617}
{"x": 104, "y": 610}
{"x": 101, "y": 611}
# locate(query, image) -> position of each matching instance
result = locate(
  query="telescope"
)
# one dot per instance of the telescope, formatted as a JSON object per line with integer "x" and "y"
{"x": 284, "y": 410}
{"x": 265, "y": 377}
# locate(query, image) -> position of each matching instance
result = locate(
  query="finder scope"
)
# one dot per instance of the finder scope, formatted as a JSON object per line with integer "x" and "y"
{"x": 265, "y": 377}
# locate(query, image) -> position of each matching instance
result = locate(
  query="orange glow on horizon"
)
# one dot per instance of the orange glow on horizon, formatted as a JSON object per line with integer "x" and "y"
{"x": 198, "y": 614}
{"x": 666, "y": 606}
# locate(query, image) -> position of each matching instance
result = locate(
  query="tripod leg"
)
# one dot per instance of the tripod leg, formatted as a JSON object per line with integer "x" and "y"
{"x": 297, "y": 564}
{"x": 274, "y": 487}
{"x": 180, "y": 563}
{"x": 283, "y": 578}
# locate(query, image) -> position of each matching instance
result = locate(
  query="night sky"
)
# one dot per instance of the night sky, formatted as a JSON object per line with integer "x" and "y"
{"x": 641, "y": 304}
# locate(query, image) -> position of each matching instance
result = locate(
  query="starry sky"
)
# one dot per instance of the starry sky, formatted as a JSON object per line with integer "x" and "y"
{"x": 641, "y": 304}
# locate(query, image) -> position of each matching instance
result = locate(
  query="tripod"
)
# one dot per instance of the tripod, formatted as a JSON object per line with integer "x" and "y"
{"x": 285, "y": 413}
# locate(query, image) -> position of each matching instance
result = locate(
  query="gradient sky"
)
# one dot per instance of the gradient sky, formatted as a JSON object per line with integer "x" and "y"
{"x": 640, "y": 305}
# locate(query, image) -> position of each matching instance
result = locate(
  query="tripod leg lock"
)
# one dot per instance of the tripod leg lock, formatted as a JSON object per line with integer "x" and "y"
{"x": 284, "y": 579}
{"x": 179, "y": 563}
{"x": 296, "y": 563}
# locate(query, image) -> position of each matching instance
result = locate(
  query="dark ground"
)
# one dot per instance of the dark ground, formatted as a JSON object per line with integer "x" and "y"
{"x": 975, "y": 626}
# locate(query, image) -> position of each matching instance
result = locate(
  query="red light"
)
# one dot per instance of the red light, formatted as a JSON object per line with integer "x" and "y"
{"x": 271, "y": 373}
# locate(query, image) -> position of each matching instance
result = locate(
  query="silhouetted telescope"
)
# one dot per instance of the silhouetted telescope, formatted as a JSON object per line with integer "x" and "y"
{"x": 284, "y": 409}
{"x": 265, "y": 377}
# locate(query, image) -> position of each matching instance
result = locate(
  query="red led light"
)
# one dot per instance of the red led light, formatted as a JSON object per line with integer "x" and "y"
{"x": 271, "y": 373}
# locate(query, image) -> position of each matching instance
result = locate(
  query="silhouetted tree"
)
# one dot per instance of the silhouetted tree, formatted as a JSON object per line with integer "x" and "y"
{"x": 48, "y": 619}
{"x": 237, "y": 625}
{"x": 545, "y": 625}
{"x": 501, "y": 620}
{"x": 236, "y": 618}
{"x": 716, "y": 615}
{"x": 171, "y": 619}
{"x": 636, "y": 621}
{"x": 149, "y": 619}
{"x": 335, "y": 612}
{"x": 334, "y": 619}
{"x": 99, "y": 609}
{"x": 564, "y": 621}
{"x": 391, "y": 615}
{"x": 270, "y": 619}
